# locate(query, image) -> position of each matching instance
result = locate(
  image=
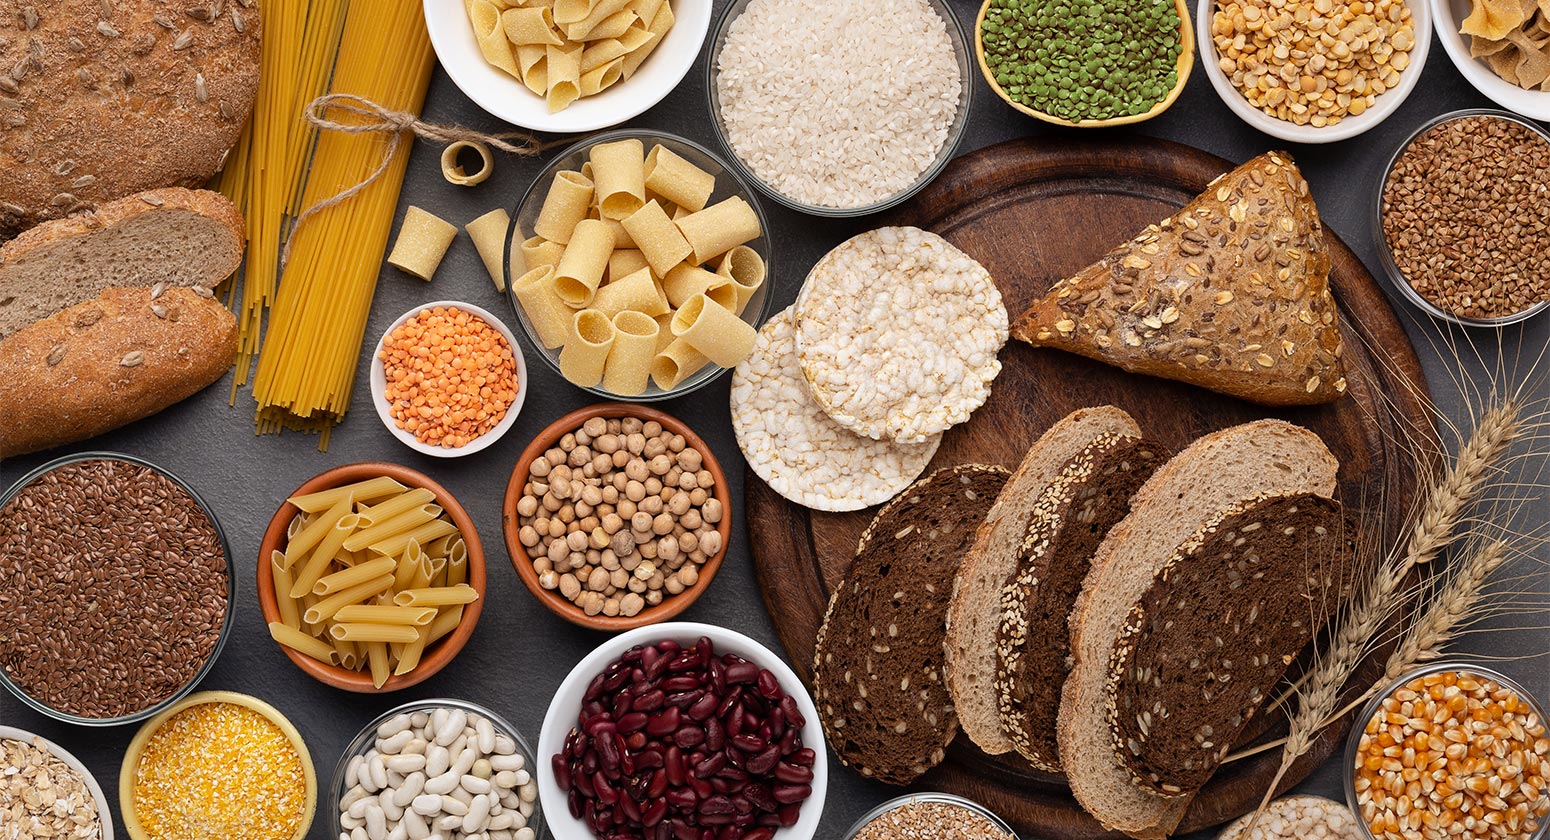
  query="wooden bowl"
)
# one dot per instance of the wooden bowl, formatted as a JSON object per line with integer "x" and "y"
{"x": 1186, "y": 64}
{"x": 558, "y": 604}
{"x": 437, "y": 655}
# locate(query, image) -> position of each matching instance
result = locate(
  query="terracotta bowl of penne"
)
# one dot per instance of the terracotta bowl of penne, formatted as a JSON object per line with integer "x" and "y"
{"x": 545, "y": 580}
{"x": 371, "y": 577}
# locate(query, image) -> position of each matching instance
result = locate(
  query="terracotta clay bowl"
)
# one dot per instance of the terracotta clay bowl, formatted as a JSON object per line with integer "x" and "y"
{"x": 557, "y": 603}
{"x": 438, "y": 654}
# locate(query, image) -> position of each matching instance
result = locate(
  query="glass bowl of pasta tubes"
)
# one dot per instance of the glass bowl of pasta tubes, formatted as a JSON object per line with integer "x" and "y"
{"x": 638, "y": 265}
{"x": 371, "y": 577}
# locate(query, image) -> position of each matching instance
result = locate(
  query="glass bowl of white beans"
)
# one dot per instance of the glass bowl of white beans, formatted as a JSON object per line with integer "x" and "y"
{"x": 450, "y": 767}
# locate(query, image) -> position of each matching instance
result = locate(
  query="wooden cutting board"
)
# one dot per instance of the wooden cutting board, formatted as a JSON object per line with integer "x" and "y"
{"x": 1034, "y": 211}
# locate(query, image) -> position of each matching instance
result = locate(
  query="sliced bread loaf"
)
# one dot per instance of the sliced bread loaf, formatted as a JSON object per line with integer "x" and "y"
{"x": 992, "y": 560}
{"x": 877, "y": 669}
{"x": 1222, "y": 620}
{"x": 1195, "y": 486}
{"x": 1033, "y": 646}
{"x": 172, "y": 237}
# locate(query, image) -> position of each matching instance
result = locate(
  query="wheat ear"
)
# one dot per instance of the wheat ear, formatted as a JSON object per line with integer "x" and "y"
{"x": 1448, "y": 608}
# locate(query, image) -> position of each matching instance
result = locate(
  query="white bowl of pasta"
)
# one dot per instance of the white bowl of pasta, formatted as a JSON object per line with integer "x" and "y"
{"x": 627, "y": 55}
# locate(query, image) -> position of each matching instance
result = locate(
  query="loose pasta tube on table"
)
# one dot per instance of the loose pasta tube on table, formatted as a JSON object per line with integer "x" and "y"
{"x": 353, "y": 632}
{"x": 380, "y": 614}
{"x": 355, "y": 575}
{"x": 549, "y": 315}
{"x": 420, "y": 534}
{"x": 317, "y": 562}
{"x": 389, "y": 508}
{"x": 677, "y": 180}
{"x": 398, "y": 524}
{"x": 637, "y": 292}
{"x": 302, "y": 643}
{"x": 360, "y": 491}
{"x": 584, "y": 356}
{"x": 489, "y": 235}
{"x": 629, "y": 360}
{"x": 657, "y": 237}
{"x": 685, "y": 281}
{"x": 675, "y": 363}
{"x": 441, "y": 596}
{"x": 580, "y": 271}
{"x": 719, "y": 228}
{"x": 565, "y": 205}
{"x": 422, "y": 242}
{"x": 619, "y": 172}
{"x": 745, "y": 268}
{"x": 325, "y": 608}
{"x": 452, "y": 169}
{"x": 290, "y": 616}
{"x": 713, "y": 330}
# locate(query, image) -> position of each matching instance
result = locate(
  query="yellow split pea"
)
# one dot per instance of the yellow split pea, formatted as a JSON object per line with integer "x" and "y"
{"x": 220, "y": 770}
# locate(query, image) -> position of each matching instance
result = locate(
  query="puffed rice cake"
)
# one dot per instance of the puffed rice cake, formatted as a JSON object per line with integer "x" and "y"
{"x": 796, "y": 448}
{"x": 897, "y": 334}
{"x": 1297, "y": 818}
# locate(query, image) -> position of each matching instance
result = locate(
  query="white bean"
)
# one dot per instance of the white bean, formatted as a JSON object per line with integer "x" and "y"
{"x": 416, "y": 746}
{"x": 506, "y": 762}
{"x": 528, "y": 792}
{"x": 505, "y": 779}
{"x": 426, "y": 805}
{"x": 413, "y": 784}
{"x": 406, "y": 763}
{"x": 486, "y": 733}
{"x": 504, "y": 745}
{"x": 359, "y": 833}
{"x": 448, "y": 823}
{"x": 461, "y": 795}
{"x": 451, "y": 727}
{"x": 474, "y": 784}
{"x": 523, "y": 778}
{"x": 500, "y": 821}
{"x": 376, "y": 822}
{"x": 415, "y": 825}
{"x": 478, "y": 814}
{"x": 353, "y": 769}
{"x": 441, "y": 784}
{"x": 399, "y": 832}
{"x": 394, "y": 744}
{"x": 526, "y": 808}
{"x": 419, "y": 719}
{"x": 351, "y": 796}
{"x": 438, "y": 717}
{"x": 393, "y": 811}
{"x": 437, "y": 759}
{"x": 524, "y": 834}
{"x": 357, "y": 810}
{"x": 499, "y": 835}
{"x": 378, "y": 772}
{"x": 349, "y": 823}
{"x": 392, "y": 726}
{"x": 464, "y": 761}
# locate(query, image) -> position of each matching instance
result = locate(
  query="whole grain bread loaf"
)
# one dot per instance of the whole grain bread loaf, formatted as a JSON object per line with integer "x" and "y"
{"x": 990, "y": 563}
{"x": 170, "y": 237}
{"x": 1207, "y": 477}
{"x": 110, "y": 361}
{"x": 877, "y": 667}
{"x": 1231, "y": 293}
{"x": 1207, "y": 642}
{"x": 1033, "y": 646}
{"x": 100, "y": 99}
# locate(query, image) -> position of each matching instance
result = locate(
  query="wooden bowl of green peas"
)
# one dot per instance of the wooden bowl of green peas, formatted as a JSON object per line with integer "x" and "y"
{"x": 1086, "y": 63}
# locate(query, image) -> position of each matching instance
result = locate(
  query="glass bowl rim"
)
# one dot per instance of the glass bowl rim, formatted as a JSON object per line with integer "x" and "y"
{"x": 928, "y": 796}
{"x": 228, "y": 621}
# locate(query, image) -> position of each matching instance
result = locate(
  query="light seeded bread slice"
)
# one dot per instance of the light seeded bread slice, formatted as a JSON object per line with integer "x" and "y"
{"x": 173, "y": 237}
{"x": 1197, "y": 484}
{"x": 1033, "y": 645}
{"x": 877, "y": 667}
{"x": 992, "y": 560}
{"x": 1215, "y": 632}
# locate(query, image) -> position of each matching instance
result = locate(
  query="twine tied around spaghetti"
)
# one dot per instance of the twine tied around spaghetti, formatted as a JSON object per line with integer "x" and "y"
{"x": 377, "y": 119}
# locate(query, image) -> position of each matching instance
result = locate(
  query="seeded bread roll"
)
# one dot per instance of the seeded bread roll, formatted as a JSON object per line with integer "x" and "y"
{"x": 1222, "y": 620}
{"x": 991, "y": 562}
{"x": 100, "y": 99}
{"x": 1033, "y": 645}
{"x": 1231, "y": 293}
{"x": 174, "y": 237}
{"x": 107, "y": 362}
{"x": 1197, "y": 484}
{"x": 877, "y": 667}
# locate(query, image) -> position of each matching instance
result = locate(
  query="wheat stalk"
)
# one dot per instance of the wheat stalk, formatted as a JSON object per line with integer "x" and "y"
{"x": 1447, "y": 611}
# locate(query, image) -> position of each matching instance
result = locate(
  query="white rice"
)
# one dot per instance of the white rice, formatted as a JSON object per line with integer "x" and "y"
{"x": 838, "y": 103}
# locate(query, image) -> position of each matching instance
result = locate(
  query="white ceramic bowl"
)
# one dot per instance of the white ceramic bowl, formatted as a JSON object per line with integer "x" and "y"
{"x": 106, "y": 816}
{"x": 1449, "y": 15}
{"x": 506, "y": 97}
{"x": 1387, "y": 103}
{"x": 379, "y": 386}
{"x": 567, "y": 703}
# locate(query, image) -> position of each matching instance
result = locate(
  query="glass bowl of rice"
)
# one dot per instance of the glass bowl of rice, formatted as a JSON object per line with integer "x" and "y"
{"x": 839, "y": 107}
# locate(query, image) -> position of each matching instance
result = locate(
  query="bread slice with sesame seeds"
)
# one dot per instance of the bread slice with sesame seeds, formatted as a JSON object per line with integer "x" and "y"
{"x": 1223, "y": 619}
{"x": 992, "y": 561}
{"x": 1206, "y": 478}
{"x": 877, "y": 666}
{"x": 1071, "y": 517}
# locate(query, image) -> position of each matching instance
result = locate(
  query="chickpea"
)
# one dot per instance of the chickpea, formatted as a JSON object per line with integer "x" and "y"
{"x": 651, "y": 505}
{"x": 609, "y": 560}
{"x": 653, "y": 597}
{"x": 528, "y": 536}
{"x": 540, "y": 467}
{"x": 710, "y": 544}
{"x": 617, "y": 578}
{"x": 548, "y": 579}
{"x": 672, "y": 585}
{"x": 607, "y": 444}
{"x": 611, "y": 607}
{"x": 527, "y": 506}
{"x": 641, "y": 521}
{"x": 631, "y": 604}
{"x": 689, "y": 575}
{"x": 570, "y": 587}
{"x": 692, "y": 520}
{"x": 635, "y": 443}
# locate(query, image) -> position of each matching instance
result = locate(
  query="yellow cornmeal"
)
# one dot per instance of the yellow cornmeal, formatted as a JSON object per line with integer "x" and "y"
{"x": 219, "y": 770}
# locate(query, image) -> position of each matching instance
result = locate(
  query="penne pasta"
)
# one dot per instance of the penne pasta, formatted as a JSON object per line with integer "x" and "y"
{"x": 585, "y": 354}
{"x": 395, "y": 544}
{"x": 312, "y": 535}
{"x": 446, "y": 621}
{"x": 349, "y": 653}
{"x": 628, "y": 369}
{"x": 290, "y": 616}
{"x": 398, "y": 524}
{"x": 408, "y": 564}
{"x": 361, "y": 632}
{"x": 325, "y": 608}
{"x": 444, "y": 596}
{"x": 379, "y": 614}
{"x": 377, "y": 658}
{"x": 410, "y": 658}
{"x": 303, "y": 643}
{"x": 389, "y": 508}
{"x": 457, "y": 564}
{"x": 353, "y": 576}
{"x": 361, "y": 491}
{"x": 318, "y": 562}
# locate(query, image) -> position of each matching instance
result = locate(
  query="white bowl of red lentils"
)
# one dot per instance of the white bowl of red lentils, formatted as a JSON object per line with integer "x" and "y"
{"x": 1450, "y": 750}
{"x": 448, "y": 379}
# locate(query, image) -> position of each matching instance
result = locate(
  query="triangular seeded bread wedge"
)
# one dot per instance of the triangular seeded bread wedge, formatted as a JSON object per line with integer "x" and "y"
{"x": 877, "y": 667}
{"x": 1210, "y": 475}
{"x": 1073, "y": 514}
{"x": 992, "y": 560}
{"x": 1208, "y": 641}
{"x": 1231, "y": 293}
{"x": 174, "y": 237}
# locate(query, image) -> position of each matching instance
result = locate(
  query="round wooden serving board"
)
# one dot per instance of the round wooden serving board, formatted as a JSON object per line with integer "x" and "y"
{"x": 1033, "y": 212}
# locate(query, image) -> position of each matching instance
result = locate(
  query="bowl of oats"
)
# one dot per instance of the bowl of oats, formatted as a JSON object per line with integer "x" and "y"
{"x": 36, "y": 774}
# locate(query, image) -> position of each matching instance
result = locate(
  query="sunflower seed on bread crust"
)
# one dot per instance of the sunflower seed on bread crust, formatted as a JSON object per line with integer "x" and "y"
{"x": 1225, "y": 615}
{"x": 897, "y": 332}
{"x": 1033, "y": 646}
{"x": 799, "y": 451}
{"x": 877, "y": 665}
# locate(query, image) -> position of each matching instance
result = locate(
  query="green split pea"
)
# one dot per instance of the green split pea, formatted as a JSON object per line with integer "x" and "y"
{"x": 1084, "y": 59}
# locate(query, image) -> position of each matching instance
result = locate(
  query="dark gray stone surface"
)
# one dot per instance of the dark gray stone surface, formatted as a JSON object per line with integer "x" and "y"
{"x": 520, "y": 652}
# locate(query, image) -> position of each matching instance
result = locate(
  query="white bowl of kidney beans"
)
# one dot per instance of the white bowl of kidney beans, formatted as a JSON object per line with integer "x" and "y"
{"x": 681, "y": 731}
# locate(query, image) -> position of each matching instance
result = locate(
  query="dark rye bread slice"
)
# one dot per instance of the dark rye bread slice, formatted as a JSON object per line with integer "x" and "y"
{"x": 1223, "y": 619}
{"x": 1033, "y": 645}
{"x": 877, "y": 667}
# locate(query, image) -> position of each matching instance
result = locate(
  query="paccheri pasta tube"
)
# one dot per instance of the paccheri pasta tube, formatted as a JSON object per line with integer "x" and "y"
{"x": 548, "y": 314}
{"x": 636, "y": 292}
{"x": 678, "y": 180}
{"x": 538, "y": 252}
{"x": 675, "y": 363}
{"x": 713, "y": 330}
{"x": 581, "y": 268}
{"x": 619, "y": 171}
{"x": 657, "y": 237}
{"x": 453, "y": 171}
{"x": 686, "y": 281}
{"x": 624, "y": 262}
{"x": 565, "y": 205}
{"x": 745, "y": 268}
{"x": 586, "y": 351}
{"x": 422, "y": 242}
{"x": 719, "y": 228}
{"x": 489, "y": 235}
{"x": 629, "y": 361}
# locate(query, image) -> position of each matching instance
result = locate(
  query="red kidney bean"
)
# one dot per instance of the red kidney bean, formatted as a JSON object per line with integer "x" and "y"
{"x": 561, "y": 772}
{"x": 646, "y": 759}
{"x": 589, "y": 763}
{"x": 792, "y": 794}
{"x": 688, "y": 736}
{"x": 788, "y": 704}
{"x": 680, "y": 683}
{"x": 573, "y": 802}
{"x": 688, "y": 660}
{"x": 682, "y": 798}
{"x": 606, "y": 793}
{"x": 653, "y": 813}
{"x": 701, "y": 787}
{"x": 742, "y": 672}
{"x": 631, "y": 810}
{"x": 710, "y": 766}
{"x": 682, "y": 699}
{"x": 594, "y": 689}
{"x": 649, "y": 701}
{"x": 664, "y": 722}
{"x": 716, "y": 805}
{"x": 715, "y": 735}
{"x": 769, "y": 686}
{"x": 704, "y": 707}
{"x": 804, "y": 757}
{"x": 632, "y": 721}
{"x": 615, "y": 678}
{"x": 792, "y": 774}
{"x": 718, "y": 676}
{"x": 732, "y": 720}
{"x": 747, "y": 743}
{"x": 684, "y": 831}
{"x": 658, "y": 785}
{"x": 764, "y": 762}
{"x": 673, "y": 764}
{"x": 583, "y": 782}
{"x": 729, "y": 699}
{"x": 776, "y": 722}
{"x": 637, "y": 740}
{"x": 761, "y": 797}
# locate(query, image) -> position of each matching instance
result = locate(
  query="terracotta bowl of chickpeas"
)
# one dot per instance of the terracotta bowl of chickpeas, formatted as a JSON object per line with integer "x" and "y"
{"x": 617, "y": 516}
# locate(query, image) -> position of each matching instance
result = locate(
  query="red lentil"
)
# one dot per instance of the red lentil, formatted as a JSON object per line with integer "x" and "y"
{"x": 451, "y": 376}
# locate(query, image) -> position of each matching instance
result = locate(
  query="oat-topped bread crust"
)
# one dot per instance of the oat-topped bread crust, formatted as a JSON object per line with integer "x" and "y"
{"x": 992, "y": 561}
{"x": 103, "y": 98}
{"x": 1033, "y": 646}
{"x": 1231, "y": 293}
{"x": 1225, "y": 616}
{"x": 172, "y": 237}
{"x": 877, "y": 667}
